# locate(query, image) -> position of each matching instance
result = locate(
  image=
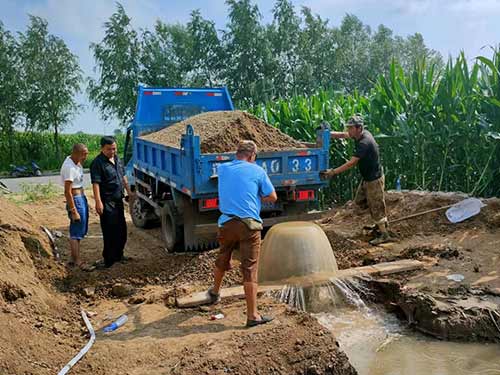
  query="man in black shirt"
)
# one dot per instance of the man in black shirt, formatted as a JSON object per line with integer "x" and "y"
{"x": 370, "y": 193}
{"x": 108, "y": 181}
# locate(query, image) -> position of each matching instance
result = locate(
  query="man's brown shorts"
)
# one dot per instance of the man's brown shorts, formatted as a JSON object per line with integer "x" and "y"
{"x": 371, "y": 195}
{"x": 234, "y": 234}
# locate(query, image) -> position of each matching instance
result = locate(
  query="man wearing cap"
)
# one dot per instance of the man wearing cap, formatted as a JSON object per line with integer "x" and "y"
{"x": 243, "y": 186}
{"x": 370, "y": 193}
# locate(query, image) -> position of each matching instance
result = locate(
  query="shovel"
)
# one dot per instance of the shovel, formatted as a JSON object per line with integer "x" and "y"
{"x": 455, "y": 213}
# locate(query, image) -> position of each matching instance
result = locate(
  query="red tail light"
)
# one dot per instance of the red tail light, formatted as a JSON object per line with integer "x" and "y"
{"x": 208, "y": 204}
{"x": 304, "y": 195}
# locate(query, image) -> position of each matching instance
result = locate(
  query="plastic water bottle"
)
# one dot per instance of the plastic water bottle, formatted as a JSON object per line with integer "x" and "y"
{"x": 398, "y": 183}
{"x": 116, "y": 324}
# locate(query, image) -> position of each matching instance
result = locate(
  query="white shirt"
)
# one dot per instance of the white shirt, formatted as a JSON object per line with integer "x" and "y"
{"x": 72, "y": 172}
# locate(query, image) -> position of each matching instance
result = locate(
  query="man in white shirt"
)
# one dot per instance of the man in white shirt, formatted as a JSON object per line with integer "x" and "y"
{"x": 76, "y": 201}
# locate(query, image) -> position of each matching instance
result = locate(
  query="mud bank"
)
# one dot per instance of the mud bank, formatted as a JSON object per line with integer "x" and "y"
{"x": 457, "y": 313}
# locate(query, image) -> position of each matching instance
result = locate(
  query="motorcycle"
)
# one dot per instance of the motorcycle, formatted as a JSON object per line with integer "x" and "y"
{"x": 25, "y": 171}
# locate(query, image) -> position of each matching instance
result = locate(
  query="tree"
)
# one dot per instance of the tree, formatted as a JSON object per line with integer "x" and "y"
{"x": 164, "y": 55}
{"x": 354, "y": 54}
{"x": 247, "y": 54}
{"x": 317, "y": 52}
{"x": 205, "y": 52}
{"x": 51, "y": 78}
{"x": 413, "y": 49}
{"x": 284, "y": 34}
{"x": 117, "y": 57}
{"x": 9, "y": 86}
{"x": 382, "y": 52}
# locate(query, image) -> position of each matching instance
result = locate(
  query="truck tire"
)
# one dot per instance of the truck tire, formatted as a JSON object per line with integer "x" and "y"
{"x": 171, "y": 227}
{"x": 142, "y": 215}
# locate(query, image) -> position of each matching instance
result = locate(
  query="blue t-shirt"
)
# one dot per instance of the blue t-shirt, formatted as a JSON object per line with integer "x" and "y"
{"x": 241, "y": 185}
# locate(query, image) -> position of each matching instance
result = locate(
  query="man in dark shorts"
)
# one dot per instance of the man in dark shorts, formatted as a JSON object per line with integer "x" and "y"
{"x": 243, "y": 186}
{"x": 108, "y": 182}
{"x": 370, "y": 193}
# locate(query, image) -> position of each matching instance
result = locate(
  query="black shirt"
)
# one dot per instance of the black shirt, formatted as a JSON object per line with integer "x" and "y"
{"x": 109, "y": 176}
{"x": 368, "y": 154}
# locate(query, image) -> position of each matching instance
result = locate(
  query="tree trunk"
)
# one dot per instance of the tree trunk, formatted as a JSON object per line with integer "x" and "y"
{"x": 56, "y": 141}
{"x": 11, "y": 143}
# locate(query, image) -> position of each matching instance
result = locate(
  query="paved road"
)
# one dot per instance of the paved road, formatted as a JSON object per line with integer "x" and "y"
{"x": 15, "y": 184}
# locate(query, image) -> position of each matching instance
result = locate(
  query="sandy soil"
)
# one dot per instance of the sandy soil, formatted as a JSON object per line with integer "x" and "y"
{"x": 41, "y": 328}
{"x": 40, "y": 299}
{"x": 220, "y": 131}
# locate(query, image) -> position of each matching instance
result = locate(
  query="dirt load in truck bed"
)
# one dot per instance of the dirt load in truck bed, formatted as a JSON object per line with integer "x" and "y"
{"x": 220, "y": 131}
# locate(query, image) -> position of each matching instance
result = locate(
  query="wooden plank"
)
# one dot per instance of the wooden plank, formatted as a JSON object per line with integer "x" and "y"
{"x": 367, "y": 270}
{"x": 398, "y": 266}
{"x": 202, "y": 298}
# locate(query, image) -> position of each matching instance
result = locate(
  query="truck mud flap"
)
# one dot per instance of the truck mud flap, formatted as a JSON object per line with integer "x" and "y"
{"x": 195, "y": 240}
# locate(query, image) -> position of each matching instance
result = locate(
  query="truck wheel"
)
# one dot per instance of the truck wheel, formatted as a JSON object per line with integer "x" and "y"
{"x": 142, "y": 215}
{"x": 171, "y": 227}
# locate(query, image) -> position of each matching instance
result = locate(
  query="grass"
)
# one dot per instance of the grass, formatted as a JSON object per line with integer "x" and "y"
{"x": 27, "y": 146}
{"x": 31, "y": 193}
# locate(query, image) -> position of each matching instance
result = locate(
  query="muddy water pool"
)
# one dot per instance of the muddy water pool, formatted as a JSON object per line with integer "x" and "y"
{"x": 378, "y": 344}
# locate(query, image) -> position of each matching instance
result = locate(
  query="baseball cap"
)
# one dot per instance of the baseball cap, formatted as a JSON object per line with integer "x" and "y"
{"x": 356, "y": 120}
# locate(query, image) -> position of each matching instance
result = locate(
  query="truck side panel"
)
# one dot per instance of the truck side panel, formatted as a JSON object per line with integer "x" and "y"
{"x": 187, "y": 170}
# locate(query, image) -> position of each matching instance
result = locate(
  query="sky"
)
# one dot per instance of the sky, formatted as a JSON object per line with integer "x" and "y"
{"x": 447, "y": 26}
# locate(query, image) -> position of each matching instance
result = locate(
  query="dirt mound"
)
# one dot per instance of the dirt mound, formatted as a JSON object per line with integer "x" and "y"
{"x": 295, "y": 344}
{"x": 25, "y": 250}
{"x": 30, "y": 311}
{"x": 401, "y": 204}
{"x": 432, "y": 250}
{"x": 220, "y": 131}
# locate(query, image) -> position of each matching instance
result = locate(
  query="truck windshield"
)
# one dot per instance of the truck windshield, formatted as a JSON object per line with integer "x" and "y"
{"x": 178, "y": 112}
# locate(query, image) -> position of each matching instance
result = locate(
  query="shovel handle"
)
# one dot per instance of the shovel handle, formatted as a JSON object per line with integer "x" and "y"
{"x": 420, "y": 213}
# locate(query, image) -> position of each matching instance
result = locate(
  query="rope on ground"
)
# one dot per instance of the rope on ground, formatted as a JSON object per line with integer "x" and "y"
{"x": 85, "y": 349}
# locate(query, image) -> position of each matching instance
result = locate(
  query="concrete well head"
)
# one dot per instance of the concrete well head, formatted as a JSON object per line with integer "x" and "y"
{"x": 294, "y": 250}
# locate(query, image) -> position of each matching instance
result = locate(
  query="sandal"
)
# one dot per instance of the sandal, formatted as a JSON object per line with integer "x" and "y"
{"x": 214, "y": 297}
{"x": 263, "y": 320}
{"x": 86, "y": 268}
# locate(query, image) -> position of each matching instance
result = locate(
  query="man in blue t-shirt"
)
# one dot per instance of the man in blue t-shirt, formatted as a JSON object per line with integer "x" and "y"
{"x": 243, "y": 186}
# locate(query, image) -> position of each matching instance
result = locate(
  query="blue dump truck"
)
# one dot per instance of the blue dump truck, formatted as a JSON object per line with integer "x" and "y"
{"x": 177, "y": 186}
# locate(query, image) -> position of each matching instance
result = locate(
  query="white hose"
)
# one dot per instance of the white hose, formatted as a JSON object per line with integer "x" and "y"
{"x": 85, "y": 349}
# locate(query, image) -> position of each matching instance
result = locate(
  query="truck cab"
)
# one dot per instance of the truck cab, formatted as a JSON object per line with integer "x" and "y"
{"x": 158, "y": 108}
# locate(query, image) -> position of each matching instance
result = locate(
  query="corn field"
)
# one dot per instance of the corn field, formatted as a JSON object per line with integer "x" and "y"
{"x": 438, "y": 129}
{"x": 40, "y": 148}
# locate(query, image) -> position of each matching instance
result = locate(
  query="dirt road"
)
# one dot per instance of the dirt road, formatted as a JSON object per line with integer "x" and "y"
{"x": 40, "y": 300}
{"x": 15, "y": 184}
